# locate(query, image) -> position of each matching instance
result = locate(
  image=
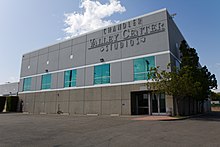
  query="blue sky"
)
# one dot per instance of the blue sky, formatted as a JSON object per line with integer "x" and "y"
{"x": 27, "y": 25}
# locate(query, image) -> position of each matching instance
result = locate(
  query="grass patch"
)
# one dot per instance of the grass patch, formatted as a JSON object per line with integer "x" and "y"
{"x": 215, "y": 105}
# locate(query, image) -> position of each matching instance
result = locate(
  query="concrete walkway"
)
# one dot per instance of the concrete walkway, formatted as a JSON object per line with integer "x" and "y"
{"x": 159, "y": 118}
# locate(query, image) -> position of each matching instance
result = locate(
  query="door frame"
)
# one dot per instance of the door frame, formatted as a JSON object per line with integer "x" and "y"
{"x": 134, "y": 102}
{"x": 158, "y": 105}
{"x": 150, "y": 95}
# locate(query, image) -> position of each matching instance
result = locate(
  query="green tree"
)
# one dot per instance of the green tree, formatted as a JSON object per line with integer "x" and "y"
{"x": 215, "y": 96}
{"x": 189, "y": 81}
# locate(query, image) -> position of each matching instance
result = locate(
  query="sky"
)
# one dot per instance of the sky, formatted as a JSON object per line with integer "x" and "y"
{"x": 27, "y": 25}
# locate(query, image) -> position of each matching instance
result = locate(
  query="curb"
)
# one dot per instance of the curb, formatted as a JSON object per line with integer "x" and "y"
{"x": 185, "y": 117}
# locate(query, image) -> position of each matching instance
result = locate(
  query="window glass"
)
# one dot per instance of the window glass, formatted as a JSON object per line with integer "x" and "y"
{"x": 66, "y": 78}
{"x": 139, "y": 69}
{"x": 102, "y": 74}
{"x": 73, "y": 79}
{"x": 70, "y": 78}
{"x": 106, "y": 73}
{"x": 177, "y": 64}
{"x": 27, "y": 84}
{"x": 46, "y": 81}
{"x": 142, "y": 67}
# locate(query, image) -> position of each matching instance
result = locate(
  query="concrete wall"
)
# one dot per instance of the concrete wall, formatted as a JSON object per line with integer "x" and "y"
{"x": 175, "y": 38}
{"x": 101, "y": 101}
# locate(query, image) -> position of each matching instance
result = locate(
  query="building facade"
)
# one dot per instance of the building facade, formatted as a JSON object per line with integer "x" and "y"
{"x": 103, "y": 72}
{"x": 9, "y": 89}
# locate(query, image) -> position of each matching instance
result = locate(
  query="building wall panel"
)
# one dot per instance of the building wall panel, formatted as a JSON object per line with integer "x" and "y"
{"x": 43, "y": 51}
{"x": 54, "y": 80}
{"x": 66, "y": 44}
{"x": 54, "y": 47}
{"x": 77, "y": 95}
{"x": 116, "y": 72}
{"x": 80, "y": 77}
{"x": 79, "y": 54}
{"x": 60, "y": 80}
{"x": 93, "y": 94}
{"x": 42, "y": 63}
{"x": 64, "y": 58}
{"x": 127, "y": 71}
{"x": 38, "y": 83}
{"x": 76, "y": 107}
{"x": 116, "y": 106}
{"x": 93, "y": 107}
{"x": 106, "y": 107}
{"x": 53, "y": 59}
{"x": 89, "y": 78}
{"x": 29, "y": 103}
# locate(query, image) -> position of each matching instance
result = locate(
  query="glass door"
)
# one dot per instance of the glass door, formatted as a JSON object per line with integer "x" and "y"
{"x": 162, "y": 103}
{"x": 143, "y": 104}
{"x": 158, "y": 103}
{"x": 154, "y": 103}
{"x": 140, "y": 103}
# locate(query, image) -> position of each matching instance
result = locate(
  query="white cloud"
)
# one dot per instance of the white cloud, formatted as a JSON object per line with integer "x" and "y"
{"x": 58, "y": 39}
{"x": 216, "y": 90}
{"x": 92, "y": 16}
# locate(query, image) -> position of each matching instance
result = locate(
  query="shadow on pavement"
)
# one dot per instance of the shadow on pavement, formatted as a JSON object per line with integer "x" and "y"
{"x": 211, "y": 116}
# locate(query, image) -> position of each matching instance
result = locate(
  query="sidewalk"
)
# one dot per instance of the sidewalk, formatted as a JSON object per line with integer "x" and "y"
{"x": 158, "y": 118}
{"x": 167, "y": 118}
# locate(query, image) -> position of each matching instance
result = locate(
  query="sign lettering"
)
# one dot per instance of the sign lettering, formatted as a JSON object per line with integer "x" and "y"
{"x": 126, "y": 34}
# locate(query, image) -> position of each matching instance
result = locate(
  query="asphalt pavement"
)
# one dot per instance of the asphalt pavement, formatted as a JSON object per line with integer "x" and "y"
{"x": 20, "y": 130}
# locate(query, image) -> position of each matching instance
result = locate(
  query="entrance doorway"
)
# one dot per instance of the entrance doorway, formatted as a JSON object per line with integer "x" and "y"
{"x": 139, "y": 103}
{"x": 147, "y": 103}
{"x": 158, "y": 103}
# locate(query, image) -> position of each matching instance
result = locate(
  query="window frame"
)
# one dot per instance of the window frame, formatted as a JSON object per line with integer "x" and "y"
{"x": 47, "y": 78}
{"x": 27, "y": 87}
{"x": 145, "y": 64}
{"x": 104, "y": 74}
{"x": 71, "y": 82}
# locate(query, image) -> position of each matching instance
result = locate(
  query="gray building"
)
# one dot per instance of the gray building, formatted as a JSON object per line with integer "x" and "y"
{"x": 9, "y": 89}
{"x": 103, "y": 72}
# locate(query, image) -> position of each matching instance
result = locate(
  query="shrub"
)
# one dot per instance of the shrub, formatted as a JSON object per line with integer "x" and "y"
{"x": 12, "y": 104}
{"x": 215, "y": 105}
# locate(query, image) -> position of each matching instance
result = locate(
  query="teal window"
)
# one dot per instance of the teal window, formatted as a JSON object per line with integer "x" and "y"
{"x": 46, "y": 81}
{"x": 27, "y": 84}
{"x": 70, "y": 78}
{"x": 102, "y": 74}
{"x": 142, "y": 67}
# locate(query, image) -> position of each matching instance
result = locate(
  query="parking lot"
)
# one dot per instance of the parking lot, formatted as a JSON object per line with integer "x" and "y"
{"x": 103, "y": 131}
